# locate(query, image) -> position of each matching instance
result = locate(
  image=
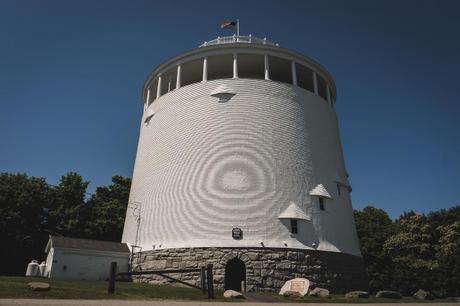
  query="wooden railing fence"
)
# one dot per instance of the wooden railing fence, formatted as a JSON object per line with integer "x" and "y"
{"x": 206, "y": 277}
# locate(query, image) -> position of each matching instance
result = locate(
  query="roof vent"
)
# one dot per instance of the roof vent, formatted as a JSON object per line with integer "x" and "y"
{"x": 320, "y": 191}
{"x": 294, "y": 212}
{"x": 148, "y": 115}
{"x": 223, "y": 93}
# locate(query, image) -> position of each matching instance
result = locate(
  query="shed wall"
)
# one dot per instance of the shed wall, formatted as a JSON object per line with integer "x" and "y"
{"x": 84, "y": 264}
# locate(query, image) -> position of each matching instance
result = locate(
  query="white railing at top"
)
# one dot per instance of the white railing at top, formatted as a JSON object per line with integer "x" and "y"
{"x": 238, "y": 39}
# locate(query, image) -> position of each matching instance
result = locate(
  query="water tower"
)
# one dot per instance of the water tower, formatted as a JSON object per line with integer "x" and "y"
{"x": 239, "y": 164}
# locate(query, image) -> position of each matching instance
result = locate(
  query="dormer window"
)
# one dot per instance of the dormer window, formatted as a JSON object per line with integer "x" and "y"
{"x": 321, "y": 192}
{"x": 294, "y": 228}
{"x": 321, "y": 203}
{"x": 291, "y": 217}
{"x": 148, "y": 116}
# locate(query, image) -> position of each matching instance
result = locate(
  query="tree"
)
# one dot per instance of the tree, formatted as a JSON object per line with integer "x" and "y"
{"x": 444, "y": 217}
{"x": 30, "y": 210}
{"x": 23, "y": 201}
{"x": 374, "y": 227}
{"x": 66, "y": 202}
{"x": 412, "y": 252}
{"x": 106, "y": 210}
{"x": 448, "y": 256}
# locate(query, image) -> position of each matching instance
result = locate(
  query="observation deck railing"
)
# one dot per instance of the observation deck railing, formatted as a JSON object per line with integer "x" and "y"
{"x": 238, "y": 39}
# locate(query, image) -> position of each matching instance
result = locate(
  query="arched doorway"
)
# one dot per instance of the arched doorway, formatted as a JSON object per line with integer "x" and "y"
{"x": 235, "y": 273}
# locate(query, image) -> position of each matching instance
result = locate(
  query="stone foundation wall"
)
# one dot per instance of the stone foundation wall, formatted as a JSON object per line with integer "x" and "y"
{"x": 266, "y": 268}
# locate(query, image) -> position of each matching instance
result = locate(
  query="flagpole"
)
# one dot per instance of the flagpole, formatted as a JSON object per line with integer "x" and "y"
{"x": 237, "y": 28}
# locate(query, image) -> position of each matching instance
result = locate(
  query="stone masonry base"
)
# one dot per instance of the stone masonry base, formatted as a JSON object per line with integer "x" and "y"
{"x": 266, "y": 268}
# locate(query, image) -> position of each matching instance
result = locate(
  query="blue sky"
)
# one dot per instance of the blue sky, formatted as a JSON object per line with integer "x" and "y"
{"x": 71, "y": 73}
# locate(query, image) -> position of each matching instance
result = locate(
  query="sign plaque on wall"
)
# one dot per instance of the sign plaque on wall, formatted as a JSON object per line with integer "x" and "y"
{"x": 237, "y": 233}
{"x": 298, "y": 286}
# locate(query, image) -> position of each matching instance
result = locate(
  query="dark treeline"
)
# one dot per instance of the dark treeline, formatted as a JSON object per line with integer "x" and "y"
{"x": 31, "y": 210}
{"x": 412, "y": 252}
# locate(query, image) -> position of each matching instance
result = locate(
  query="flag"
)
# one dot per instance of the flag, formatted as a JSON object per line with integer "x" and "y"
{"x": 228, "y": 25}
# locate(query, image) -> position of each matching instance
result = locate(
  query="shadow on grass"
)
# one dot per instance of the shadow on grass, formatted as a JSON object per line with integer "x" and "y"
{"x": 16, "y": 287}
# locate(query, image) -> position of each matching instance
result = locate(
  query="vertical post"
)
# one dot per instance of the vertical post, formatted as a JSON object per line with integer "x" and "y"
{"x": 332, "y": 98}
{"x": 203, "y": 279}
{"x": 210, "y": 282}
{"x": 235, "y": 66}
{"x": 112, "y": 275}
{"x": 328, "y": 93}
{"x": 294, "y": 74}
{"x": 205, "y": 69}
{"x": 147, "y": 102}
{"x": 178, "y": 76}
{"x": 238, "y": 28}
{"x": 159, "y": 86}
{"x": 266, "y": 68}
{"x": 315, "y": 83}
{"x": 169, "y": 83}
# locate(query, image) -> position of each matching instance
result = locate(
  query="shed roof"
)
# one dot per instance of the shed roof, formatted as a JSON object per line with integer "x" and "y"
{"x": 86, "y": 244}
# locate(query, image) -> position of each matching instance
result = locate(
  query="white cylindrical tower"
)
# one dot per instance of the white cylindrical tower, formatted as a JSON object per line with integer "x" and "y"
{"x": 239, "y": 159}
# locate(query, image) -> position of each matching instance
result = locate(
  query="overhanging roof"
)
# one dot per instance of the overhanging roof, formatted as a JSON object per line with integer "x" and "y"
{"x": 86, "y": 244}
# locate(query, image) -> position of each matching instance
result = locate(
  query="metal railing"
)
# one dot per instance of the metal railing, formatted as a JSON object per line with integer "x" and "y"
{"x": 238, "y": 39}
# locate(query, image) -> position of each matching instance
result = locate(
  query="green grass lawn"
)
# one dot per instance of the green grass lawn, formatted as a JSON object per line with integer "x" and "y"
{"x": 16, "y": 287}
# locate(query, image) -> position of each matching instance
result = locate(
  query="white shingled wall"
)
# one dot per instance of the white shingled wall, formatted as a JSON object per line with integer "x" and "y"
{"x": 204, "y": 167}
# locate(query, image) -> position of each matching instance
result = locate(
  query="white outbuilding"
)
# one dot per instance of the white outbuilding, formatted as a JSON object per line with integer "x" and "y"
{"x": 84, "y": 259}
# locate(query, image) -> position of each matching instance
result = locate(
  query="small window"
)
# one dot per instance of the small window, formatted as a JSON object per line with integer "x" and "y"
{"x": 321, "y": 203}
{"x": 168, "y": 81}
{"x": 220, "y": 67}
{"x": 294, "y": 228}
{"x": 322, "y": 87}
{"x": 280, "y": 69}
{"x": 153, "y": 92}
{"x": 304, "y": 77}
{"x": 251, "y": 66}
{"x": 192, "y": 72}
